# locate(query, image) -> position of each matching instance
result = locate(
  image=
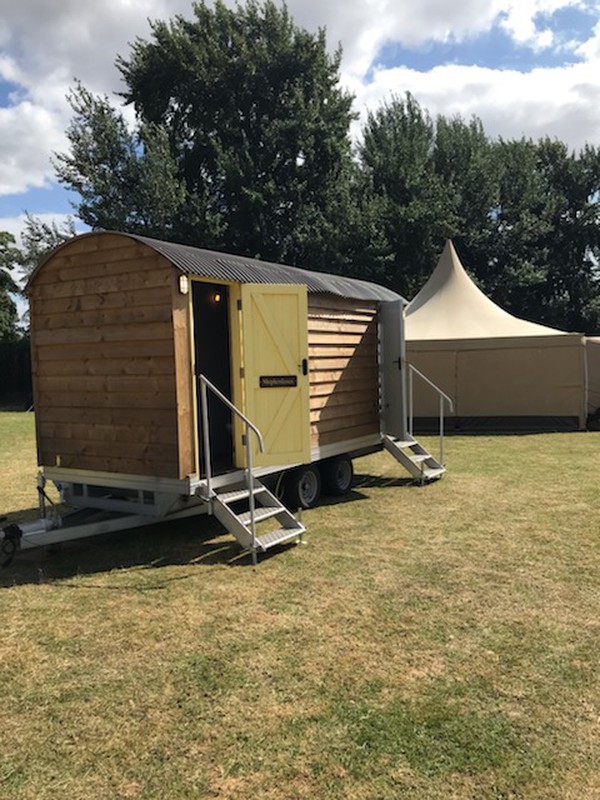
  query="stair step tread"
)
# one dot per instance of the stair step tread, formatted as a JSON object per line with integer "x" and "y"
{"x": 239, "y": 494}
{"x": 434, "y": 472}
{"x": 411, "y": 444}
{"x": 272, "y": 538}
{"x": 403, "y": 442}
{"x": 260, "y": 513}
{"x": 415, "y": 458}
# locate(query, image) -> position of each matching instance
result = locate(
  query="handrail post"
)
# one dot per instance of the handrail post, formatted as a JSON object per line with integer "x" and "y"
{"x": 410, "y": 400}
{"x": 205, "y": 384}
{"x": 441, "y": 430}
{"x": 443, "y": 398}
{"x": 206, "y": 437}
{"x": 250, "y": 485}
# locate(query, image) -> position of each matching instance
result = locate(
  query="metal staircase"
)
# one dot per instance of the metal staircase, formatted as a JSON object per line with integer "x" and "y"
{"x": 233, "y": 509}
{"x": 239, "y": 506}
{"x": 415, "y": 458}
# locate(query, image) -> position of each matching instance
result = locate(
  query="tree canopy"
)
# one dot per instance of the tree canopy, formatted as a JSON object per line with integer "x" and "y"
{"x": 241, "y": 143}
{"x": 126, "y": 181}
{"x": 546, "y": 233}
{"x": 524, "y": 215}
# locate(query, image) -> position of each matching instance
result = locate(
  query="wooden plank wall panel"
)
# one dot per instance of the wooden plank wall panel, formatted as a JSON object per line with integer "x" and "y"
{"x": 104, "y": 358}
{"x": 342, "y": 347}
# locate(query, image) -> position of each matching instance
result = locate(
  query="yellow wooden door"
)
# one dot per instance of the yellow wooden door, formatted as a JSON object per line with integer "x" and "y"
{"x": 275, "y": 369}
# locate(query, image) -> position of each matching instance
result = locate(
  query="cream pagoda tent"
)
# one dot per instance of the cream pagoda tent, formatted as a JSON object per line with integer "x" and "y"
{"x": 502, "y": 372}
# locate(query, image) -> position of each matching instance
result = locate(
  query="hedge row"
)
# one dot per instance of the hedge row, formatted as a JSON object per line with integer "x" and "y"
{"x": 15, "y": 375}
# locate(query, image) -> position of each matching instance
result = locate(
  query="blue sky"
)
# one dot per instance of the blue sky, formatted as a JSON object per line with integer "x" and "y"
{"x": 525, "y": 67}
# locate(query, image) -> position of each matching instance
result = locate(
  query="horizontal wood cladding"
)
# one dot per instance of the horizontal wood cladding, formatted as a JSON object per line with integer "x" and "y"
{"x": 151, "y": 297}
{"x": 104, "y": 358}
{"x": 333, "y": 437}
{"x": 147, "y": 417}
{"x": 103, "y": 318}
{"x": 342, "y": 348}
{"x": 113, "y": 261}
{"x": 159, "y": 386}
{"x": 118, "y": 350}
{"x": 134, "y": 450}
{"x": 146, "y": 366}
{"x": 147, "y": 278}
{"x": 81, "y": 431}
{"x": 148, "y": 331}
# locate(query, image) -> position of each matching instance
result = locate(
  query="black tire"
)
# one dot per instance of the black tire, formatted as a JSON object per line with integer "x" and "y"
{"x": 338, "y": 476}
{"x": 303, "y": 487}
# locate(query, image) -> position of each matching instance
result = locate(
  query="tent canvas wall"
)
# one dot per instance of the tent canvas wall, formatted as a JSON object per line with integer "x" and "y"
{"x": 592, "y": 347}
{"x": 503, "y": 373}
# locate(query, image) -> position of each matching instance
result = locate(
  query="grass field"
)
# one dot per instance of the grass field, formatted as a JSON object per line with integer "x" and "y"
{"x": 436, "y": 642}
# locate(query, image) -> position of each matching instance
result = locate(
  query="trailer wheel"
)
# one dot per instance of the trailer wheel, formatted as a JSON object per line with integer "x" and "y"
{"x": 338, "y": 476}
{"x": 303, "y": 487}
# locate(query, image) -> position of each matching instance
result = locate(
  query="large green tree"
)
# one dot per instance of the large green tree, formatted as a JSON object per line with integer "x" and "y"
{"x": 242, "y": 140}
{"x": 434, "y": 179}
{"x": 545, "y": 242}
{"x": 464, "y": 163}
{"x": 524, "y": 215}
{"x": 574, "y": 243}
{"x": 397, "y": 155}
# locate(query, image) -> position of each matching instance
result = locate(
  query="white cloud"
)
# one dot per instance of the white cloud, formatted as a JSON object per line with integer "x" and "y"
{"x": 364, "y": 27}
{"x": 523, "y": 20}
{"x": 560, "y": 102}
{"x": 28, "y": 133}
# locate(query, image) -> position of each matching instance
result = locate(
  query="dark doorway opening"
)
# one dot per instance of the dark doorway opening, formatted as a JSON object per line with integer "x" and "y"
{"x": 211, "y": 344}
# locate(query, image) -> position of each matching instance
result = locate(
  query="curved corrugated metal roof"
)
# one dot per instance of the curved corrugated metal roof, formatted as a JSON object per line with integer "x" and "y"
{"x": 223, "y": 266}
{"x": 213, "y": 264}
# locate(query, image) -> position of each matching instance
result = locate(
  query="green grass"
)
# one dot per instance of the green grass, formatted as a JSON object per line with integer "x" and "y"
{"x": 17, "y": 463}
{"x": 435, "y": 642}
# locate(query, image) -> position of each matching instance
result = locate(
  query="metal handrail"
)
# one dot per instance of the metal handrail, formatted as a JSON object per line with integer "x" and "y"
{"x": 442, "y": 395}
{"x": 250, "y": 426}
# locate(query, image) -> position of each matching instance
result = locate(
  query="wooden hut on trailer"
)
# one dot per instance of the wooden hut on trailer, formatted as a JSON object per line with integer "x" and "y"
{"x": 122, "y": 328}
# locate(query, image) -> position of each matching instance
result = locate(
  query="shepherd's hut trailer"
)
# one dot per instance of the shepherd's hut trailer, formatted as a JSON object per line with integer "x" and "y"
{"x": 170, "y": 380}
